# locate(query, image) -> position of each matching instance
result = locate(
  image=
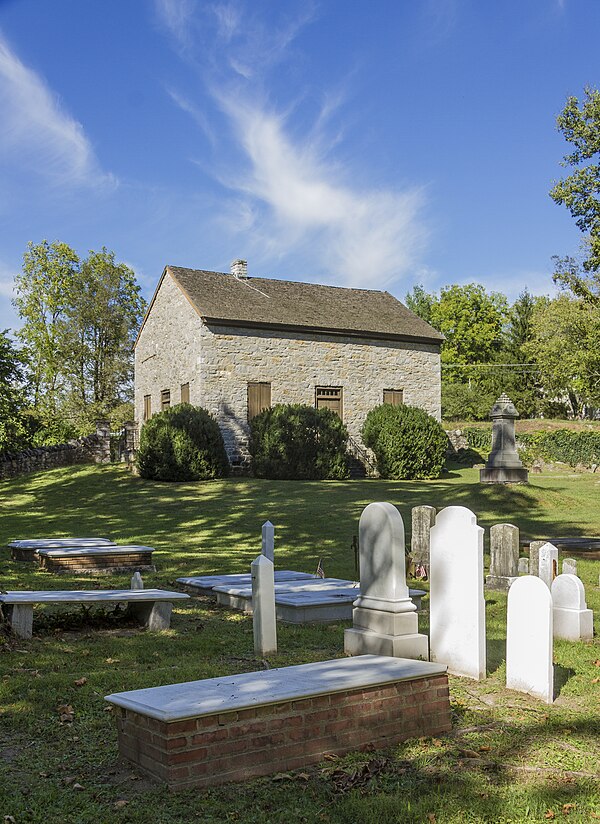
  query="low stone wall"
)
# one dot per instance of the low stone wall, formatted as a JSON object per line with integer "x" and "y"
{"x": 82, "y": 450}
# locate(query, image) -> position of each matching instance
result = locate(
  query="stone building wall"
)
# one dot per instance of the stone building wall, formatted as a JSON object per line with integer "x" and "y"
{"x": 175, "y": 347}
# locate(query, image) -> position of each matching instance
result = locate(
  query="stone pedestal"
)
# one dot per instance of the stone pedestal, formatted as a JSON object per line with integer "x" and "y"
{"x": 384, "y": 617}
{"x": 503, "y": 464}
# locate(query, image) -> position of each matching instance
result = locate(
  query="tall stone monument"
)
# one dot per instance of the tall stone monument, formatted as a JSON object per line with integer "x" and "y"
{"x": 503, "y": 465}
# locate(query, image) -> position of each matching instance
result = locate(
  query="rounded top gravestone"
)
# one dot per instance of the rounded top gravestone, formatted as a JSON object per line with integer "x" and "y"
{"x": 568, "y": 592}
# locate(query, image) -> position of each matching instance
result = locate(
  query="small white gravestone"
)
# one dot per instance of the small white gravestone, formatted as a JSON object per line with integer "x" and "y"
{"x": 523, "y": 566}
{"x": 569, "y": 566}
{"x": 422, "y": 519}
{"x": 263, "y": 606}
{"x": 384, "y": 618}
{"x": 548, "y": 563}
{"x": 136, "y": 581}
{"x": 504, "y": 556}
{"x": 573, "y": 621}
{"x": 529, "y": 638}
{"x": 457, "y": 605}
{"x": 268, "y": 541}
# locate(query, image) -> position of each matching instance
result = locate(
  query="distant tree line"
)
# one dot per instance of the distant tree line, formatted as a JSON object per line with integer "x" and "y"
{"x": 72, "y": 360}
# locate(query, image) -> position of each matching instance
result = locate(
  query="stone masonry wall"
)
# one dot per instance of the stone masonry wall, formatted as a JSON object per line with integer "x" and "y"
{"x": 175, "y": 347}
{"x": 39, "y": 458}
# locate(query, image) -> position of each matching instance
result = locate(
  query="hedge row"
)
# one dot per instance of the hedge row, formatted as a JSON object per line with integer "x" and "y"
{"x": 564, "y": 445}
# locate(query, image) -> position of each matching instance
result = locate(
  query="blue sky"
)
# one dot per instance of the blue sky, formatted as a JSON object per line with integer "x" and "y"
{"x": 373, "y": 144}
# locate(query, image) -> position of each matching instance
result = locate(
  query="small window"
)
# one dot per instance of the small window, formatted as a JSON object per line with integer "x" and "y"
{"x": 185, "y": 393}
{"x": 393, "y": 396}
{"x": 329, "y": 397}
{"x": 147, "y": 407}
{"x": 259, "y": 398}
{"x": 165, "y": 399}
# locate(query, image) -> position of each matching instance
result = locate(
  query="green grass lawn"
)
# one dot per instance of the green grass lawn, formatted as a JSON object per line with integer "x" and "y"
{"x": 509, "y": 758}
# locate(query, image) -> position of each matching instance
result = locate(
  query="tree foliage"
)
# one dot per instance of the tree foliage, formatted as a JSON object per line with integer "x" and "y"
{"x": 580, "y": 191}
{"x": 13, "y": 423}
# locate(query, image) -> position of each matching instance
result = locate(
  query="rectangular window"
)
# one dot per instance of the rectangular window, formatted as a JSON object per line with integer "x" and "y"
{"x": 329, "y": 397}
{"x": 165, "y": 399}
{"x": 185, "y": 393}
{"x": 393, "y": 396}
{"x": 259, "y": 398}
{"x": 147, "y": 407}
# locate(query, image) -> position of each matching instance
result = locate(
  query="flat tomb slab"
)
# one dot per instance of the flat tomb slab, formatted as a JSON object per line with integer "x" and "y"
{"x": 96, "y": 558}
{"x": 322, "y": 600}
{"x": 210, "y": 732}
{"x": 205, "y": 584}
{"x": 98, "y": 596}
{"x": 93, "y": 551}
{"x": 56, "y": 543}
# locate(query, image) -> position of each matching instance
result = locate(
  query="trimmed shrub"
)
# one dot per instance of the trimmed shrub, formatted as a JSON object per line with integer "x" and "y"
{"x": 407, "y": 442}
{"x": 297, "y": 442}
{"x": 182, "y": 443}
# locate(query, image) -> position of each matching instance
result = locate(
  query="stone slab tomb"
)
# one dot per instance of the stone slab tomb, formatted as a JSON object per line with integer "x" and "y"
{"x": 573, "y": 621}
{"x": 384, "y": 618}
{"x": 504, "y": 556}
{"x": 27, "y": 549}
{"x": 529, "y": 631}
{"x": 232, "y": 728}
{"x": 457, "y": 605}
{"x": 95, "y": 559}
{"x": 205, "y": 584}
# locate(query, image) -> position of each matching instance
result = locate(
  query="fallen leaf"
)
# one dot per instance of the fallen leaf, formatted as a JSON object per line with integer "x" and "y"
{"x": 485, "y": 749}
{"x": 66, "y": 713}
{"x": 282, "y": 777}
{"x": 596, "y": 663}
{"x": 595, "y": 680}
{"x": 550, "y": 814}
{"x": 118, "y": 805}
{"x": 431, "y": 817}
{"x": 469, "y": 754}
{"x": 329, "y": 756}
{"x": 112, "y": 660}
{"x": 80, "y": 682}
{"x": 303, "y": 776}
{"x": 77, "y": 786}
{"x": 567, "y": 808}
{"x": 10, "y": 819}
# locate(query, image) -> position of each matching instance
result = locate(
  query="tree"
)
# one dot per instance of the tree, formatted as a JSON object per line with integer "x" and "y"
{"x": 43, "y": 294}
{"x": 13, "y": 429}
{"x": 571, "y": 275}
{"x": 580, "y": 191}
{"x": 421, "y": 302}
{"x": 104, "y": 314}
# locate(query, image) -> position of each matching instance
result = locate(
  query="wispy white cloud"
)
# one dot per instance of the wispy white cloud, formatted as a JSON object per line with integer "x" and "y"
{"x": 292, "y": 193}
{"x": 37, "y": 134}
{"x": 177, "y": 16}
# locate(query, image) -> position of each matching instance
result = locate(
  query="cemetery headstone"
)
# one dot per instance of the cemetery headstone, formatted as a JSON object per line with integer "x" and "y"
{"x": 504, "y": 556}
{"x": 263, "y": 606}
{"x": 534, "y": 557}
{"x": 529, "y": 638}
{"x": 548, "y": 569}
{"x": 503, "y": 464}
{"x": 422, "y": 519}
{"x": 384, "y": 618}
{"x": 573, "y": 621}
{"x": 523, "y": 566}
{"x": 569, "y": 566}
{"x": 457, "y": 605}
{"x": 268, "y": 541}
{"x": 136, "y": 581}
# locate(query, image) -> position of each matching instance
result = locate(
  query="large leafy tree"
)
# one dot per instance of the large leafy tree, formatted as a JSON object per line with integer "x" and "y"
{"x": 580, "y": 191}
{"x": 13, "y": 427}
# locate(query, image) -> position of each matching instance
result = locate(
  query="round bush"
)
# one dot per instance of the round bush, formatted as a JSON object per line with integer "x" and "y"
{"x": 296, "y": 442}
{"x": 182, "y": 443}
{"x": 407, "y": 442}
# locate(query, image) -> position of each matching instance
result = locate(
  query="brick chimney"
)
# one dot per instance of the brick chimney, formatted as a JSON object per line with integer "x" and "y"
{"x": 239, "y": 268}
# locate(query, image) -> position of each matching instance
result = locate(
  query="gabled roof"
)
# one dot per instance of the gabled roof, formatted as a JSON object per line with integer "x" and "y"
{"x": 221, "y": 298}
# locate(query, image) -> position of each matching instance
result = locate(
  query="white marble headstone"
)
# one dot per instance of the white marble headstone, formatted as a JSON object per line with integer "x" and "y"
{"x": 548, "y": 563}
{"x": 263, "y": 606}
{"x": 457, "y": 605}
{"x": 529, "y": 638}
{"x": 573, "y": 621}
{"x": 268, "y": 541}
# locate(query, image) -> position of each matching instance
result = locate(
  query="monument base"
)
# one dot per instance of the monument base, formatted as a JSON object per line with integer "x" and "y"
{"x": 359, "y": 641}
{"x": 501, "y": 582}
{"x": 503, "y": 475}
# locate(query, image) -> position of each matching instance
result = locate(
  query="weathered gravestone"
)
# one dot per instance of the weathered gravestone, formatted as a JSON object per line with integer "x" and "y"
{"x": 573, "y": 621}
{"x": 548, "y": 563}
{"x": 422, "y": 519}
{"x": 457, "y": 605}
{"x": 268, "y": 541}
{"x": 136, "y": 581}
{"x": 503, "y": 464}
{"x": 264, "y": 622}
{"x": 534, "y": 557}
{"x": 523, "y": 566}
{"x": 569, "y": 566}
{"x": 504, "y": 556}
{"x": 384, "y": 618}
{"x": 529, "y": 638}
